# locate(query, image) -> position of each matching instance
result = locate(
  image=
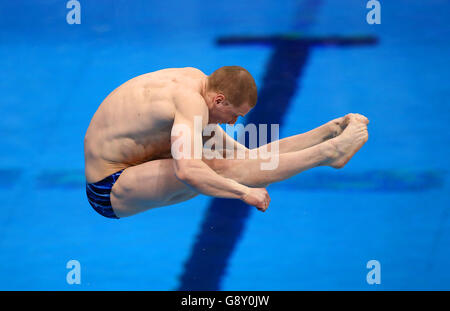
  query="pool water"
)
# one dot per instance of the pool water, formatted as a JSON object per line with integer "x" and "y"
{"x": 313, "y": 60}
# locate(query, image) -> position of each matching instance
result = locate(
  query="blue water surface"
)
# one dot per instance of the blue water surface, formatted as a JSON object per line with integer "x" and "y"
{"x": 390, "y": 203}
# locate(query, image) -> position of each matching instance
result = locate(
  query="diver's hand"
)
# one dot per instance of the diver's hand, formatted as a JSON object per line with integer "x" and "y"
{"x": 258, "y": 197}
{"x": 337, "y": 126}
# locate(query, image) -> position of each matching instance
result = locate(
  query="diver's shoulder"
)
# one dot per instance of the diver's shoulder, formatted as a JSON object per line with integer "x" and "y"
{"x": 194, "y": 71}
{"x": 188, "y": 100}
{"x": 181, "y": 93}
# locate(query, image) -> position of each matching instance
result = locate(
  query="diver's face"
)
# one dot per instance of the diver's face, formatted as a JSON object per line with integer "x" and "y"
{"x": 224, "y": 112}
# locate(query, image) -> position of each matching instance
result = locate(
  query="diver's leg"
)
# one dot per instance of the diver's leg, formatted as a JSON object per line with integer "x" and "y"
{"x": 146, "y": 186}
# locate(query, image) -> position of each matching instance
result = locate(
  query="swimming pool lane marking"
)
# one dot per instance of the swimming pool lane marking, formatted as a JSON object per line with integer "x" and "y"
{"x": 225, "y": 219}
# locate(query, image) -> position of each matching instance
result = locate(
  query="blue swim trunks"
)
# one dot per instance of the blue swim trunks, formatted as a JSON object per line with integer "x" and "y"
{"x": 98, "y": 194}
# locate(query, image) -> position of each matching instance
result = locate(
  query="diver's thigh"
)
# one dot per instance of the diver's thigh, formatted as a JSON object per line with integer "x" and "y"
{"x": 148, "y": 185}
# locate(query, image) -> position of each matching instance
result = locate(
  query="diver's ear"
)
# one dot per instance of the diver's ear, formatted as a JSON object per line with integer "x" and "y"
{"x": 220, "y": 99}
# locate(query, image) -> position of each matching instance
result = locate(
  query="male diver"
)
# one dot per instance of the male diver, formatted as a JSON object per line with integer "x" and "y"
{"x": 129, "y": 161}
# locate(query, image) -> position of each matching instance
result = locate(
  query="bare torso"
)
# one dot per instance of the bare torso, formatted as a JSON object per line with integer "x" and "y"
{"x": 133, "y": 124}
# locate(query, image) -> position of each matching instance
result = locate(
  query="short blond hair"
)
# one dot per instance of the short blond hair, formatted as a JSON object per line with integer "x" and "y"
{"x": 236, "y": 83}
